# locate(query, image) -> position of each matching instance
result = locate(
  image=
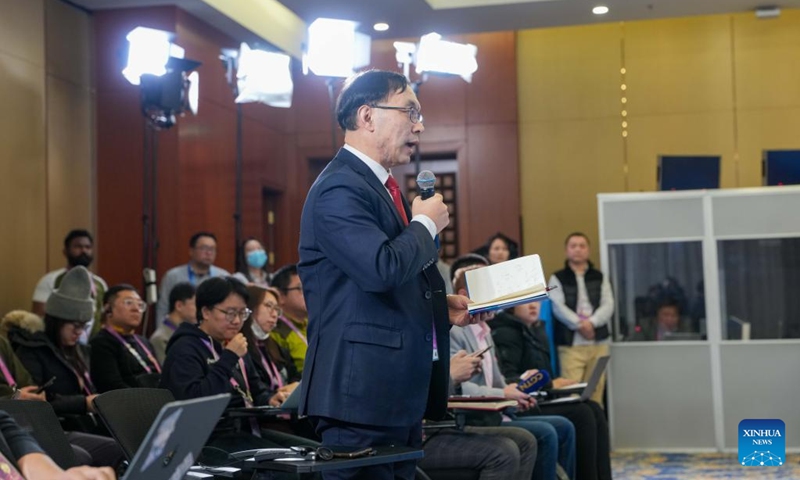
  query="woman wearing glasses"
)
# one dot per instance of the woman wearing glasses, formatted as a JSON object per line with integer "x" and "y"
{"x": 273, "y": 362}
{"x": 211, "y": 358}
{"x": 120, "y": 357}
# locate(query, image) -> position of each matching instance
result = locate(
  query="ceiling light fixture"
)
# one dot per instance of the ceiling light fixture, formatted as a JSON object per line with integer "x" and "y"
{"x": 600, "y": 10}
{"x": 380, "y": 27}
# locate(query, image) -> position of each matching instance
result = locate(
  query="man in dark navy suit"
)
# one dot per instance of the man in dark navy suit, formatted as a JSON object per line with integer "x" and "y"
{"x": 379, "y": 317}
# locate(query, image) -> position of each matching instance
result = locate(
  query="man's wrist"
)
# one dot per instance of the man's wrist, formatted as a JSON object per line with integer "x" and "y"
{"x": 429, "y": 224}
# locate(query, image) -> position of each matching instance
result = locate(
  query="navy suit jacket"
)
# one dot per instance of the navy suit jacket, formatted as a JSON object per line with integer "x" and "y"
{"x": 373, "y": 294}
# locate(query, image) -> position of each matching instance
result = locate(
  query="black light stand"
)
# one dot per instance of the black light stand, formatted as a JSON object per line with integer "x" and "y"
{"x": 229, "y": 63}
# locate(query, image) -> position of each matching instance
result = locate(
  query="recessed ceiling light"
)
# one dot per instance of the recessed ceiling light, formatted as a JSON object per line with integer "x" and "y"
{"x": 600, "y": 10}
{"x": 381, "y": 27}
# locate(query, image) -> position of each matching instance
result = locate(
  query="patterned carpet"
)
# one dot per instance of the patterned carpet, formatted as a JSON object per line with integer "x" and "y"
{"x": 680, "y": 466}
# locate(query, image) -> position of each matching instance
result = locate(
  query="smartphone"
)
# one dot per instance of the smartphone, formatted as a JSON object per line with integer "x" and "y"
{"x": 480, "y": 354}
{"x": 43, "y": 387}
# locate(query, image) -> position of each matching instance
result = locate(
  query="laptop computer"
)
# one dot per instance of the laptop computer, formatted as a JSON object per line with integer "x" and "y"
{"x": 292, "y": 402}
{"x": 175, "y": 438}
{"x": 590, "y": 387}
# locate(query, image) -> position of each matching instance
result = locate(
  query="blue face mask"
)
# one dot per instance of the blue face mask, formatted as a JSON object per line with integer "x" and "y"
{"x": 257, "y": 258}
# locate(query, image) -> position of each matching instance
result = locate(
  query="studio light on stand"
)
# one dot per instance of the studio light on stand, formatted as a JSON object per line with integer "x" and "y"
{"x": 168, "y": 88}
{"x": 435, "y": 56}
{"x": 335, "y": 50}
{"x": 254, "y": 76}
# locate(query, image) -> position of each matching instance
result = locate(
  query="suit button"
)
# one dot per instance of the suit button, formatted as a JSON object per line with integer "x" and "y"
{"x": 428, "y": 295}
{"x": 428, "y": 337}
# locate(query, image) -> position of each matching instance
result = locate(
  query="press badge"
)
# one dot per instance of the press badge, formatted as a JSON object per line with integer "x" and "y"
{"x": 435, "y": 354}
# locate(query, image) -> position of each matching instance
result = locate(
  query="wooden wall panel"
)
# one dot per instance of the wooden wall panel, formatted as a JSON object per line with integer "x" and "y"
{"x": 766, "y": 53}
{"x": 679, "y": 66}
{"x": 70, "y": 164}
{"x": 23, "y": 196}
{"x": 571, "y": 145}
{"x": 566, "y": 163}
{"x": 569, "y": 73}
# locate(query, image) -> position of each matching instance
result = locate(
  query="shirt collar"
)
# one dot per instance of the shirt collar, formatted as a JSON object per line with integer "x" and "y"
{"x": 376, "y": 167}
{"x": 480, "y": 330}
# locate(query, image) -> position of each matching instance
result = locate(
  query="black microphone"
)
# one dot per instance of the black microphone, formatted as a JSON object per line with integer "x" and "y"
{"x": 425, "y": 182}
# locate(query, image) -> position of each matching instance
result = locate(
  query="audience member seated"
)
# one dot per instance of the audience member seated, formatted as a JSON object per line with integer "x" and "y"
{"x": 50, "y": 351}
{"x": 499, "y": 248}
{"x": 273, "y": 362}
{"x": 292, "y": 330}
{"x": 521, "y": 346}
{"x": 181, "y": 309}
{"x": 211, "y": 358}
{"x": 20, "y": 319}
{"x": 56, "y": 353}
{"x": 253, "y": 270}
{"x": 119, "y": 355}
{"x": 668, "y": 320}
{"x": 22, "y": 458}
{"x": 202, "y": 253}
{"x": 78, "y": 250}
{"x": 555, "y": 435}
{"x": 494, "y": 452}
{"x": 16, "y": 383}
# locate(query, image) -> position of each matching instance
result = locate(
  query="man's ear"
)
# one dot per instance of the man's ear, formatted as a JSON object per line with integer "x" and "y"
{"x": 364, "y": 118}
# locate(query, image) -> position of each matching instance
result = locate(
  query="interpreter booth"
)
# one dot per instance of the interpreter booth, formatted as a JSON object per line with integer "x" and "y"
{"x": 706, "y": 330}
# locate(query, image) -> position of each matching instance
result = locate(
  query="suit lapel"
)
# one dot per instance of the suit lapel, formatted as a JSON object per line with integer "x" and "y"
{"x": 359, "y": 167}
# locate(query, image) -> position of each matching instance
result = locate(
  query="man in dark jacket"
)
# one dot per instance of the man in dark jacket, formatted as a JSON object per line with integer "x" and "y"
{"x": 582, "y": 305}
{"x": 120, "y": 357}
{"x": 211, "y": 358}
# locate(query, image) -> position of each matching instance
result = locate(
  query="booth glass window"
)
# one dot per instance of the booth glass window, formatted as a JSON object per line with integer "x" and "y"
{"x": 759, "y": 285}
{"x": 659, "y": 291}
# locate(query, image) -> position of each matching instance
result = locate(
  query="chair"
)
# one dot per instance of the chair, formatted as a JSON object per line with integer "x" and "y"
{"x": 128, "y": 413}
{"x": 40, "y": 420}
{"x": 149, "y": 380}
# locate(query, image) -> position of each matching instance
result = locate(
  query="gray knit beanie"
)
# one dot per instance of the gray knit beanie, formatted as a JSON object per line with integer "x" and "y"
{"x": 73, "y": 299}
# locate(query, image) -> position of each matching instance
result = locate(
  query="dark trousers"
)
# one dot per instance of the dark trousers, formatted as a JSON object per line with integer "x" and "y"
{"x": 591, "y": 438}
{"x": 95, "y": 450}
{"x": 336, "y": 434}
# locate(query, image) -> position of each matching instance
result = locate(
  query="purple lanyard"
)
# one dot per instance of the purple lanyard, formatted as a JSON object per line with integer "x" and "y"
{"x": 6, "y": 373}
{"x": 133, "y": 351}
{"x": 84, "y": 383}
{"x": 246, "y": 395}
{"x": 169, "y": 324}
{"x": 274, "y": 375}
{"x": 296, "y": 330}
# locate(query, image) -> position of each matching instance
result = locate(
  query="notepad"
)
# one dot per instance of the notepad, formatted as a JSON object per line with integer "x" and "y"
{"x": 506, "y": 284}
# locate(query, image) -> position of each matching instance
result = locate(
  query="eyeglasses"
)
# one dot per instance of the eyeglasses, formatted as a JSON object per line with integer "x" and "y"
{"x": 271, "y": 306}
{"x": 231, "y": 315}
{"x": 139, "y": 304}
{"x": 413, "y": 113}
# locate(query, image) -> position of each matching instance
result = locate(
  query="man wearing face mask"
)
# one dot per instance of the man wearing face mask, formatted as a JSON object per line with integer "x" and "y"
{"x": 79, "y": 251}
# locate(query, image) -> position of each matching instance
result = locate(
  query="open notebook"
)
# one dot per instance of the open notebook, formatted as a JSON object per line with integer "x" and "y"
{"x": 506, "y": 284}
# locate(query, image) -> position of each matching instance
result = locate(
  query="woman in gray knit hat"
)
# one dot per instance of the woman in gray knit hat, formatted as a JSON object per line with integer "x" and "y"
{"x": 56, "y": 354}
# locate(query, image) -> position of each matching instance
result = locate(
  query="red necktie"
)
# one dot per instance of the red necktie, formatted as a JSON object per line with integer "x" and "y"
{"x": 394, "y": 191}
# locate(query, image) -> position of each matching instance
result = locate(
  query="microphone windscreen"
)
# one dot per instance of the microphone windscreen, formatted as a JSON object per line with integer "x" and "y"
{"x": 534, "y": 382}
{"x": 425, "y": 182}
